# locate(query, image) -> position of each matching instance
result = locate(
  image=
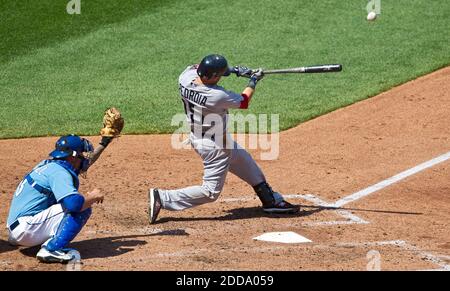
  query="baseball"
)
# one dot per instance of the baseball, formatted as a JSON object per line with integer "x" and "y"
{"x": 371, "y": 16}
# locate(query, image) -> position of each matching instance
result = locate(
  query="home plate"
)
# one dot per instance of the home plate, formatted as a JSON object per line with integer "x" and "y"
{"x": 287, "y": 237}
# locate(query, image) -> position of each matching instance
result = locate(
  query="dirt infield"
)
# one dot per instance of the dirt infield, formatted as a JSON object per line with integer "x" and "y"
{"x": 321, "y": 162}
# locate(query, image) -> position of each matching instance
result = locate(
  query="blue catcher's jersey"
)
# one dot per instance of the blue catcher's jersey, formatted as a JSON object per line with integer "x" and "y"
{"x": 55, "y": 175}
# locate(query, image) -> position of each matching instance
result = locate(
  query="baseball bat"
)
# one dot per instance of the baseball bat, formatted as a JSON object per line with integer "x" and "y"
{"x": 307, "y": 69}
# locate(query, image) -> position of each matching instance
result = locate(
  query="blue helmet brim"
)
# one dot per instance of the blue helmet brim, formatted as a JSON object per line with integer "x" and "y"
{"x": 58, "y": 154}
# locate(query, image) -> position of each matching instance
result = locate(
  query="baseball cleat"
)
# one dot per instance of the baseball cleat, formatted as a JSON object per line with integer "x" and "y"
{"x": 154, "y": 205}
{"x": 59, "y": 256}
{"x": 282, "y": 207}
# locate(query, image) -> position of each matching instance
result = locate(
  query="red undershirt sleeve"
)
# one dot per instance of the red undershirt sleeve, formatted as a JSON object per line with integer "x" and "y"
{"x": 244, "y": 103}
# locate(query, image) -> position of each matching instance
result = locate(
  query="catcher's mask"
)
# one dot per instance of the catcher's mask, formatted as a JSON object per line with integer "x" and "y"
{"x": 74, "y": 146}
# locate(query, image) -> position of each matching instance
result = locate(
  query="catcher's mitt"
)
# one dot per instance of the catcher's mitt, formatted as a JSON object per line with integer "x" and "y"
{"x": 113, "y": 123}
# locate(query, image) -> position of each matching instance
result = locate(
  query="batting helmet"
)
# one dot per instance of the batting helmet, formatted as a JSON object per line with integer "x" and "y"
{"x": 71, "y": 145}
{"x": 213, "y": 66}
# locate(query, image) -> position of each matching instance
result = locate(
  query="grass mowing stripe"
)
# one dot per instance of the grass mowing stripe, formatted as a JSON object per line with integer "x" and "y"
{"x": 134, "y": 64}
{"x": 28, "y": 24}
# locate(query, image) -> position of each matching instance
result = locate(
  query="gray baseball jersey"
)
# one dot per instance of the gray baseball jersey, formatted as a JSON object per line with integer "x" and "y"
{"x": 205, "y": 107}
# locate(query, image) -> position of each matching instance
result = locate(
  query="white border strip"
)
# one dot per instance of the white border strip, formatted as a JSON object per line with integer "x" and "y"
{"x": 390, "y": 181}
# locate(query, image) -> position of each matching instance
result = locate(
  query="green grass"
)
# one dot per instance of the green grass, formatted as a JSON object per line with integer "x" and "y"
{"x": 58, "y": 72}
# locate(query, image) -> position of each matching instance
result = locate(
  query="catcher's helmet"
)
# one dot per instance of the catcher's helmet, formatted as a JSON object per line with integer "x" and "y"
{"x": 213, "y": 66}
{"x": 71, "y": 145}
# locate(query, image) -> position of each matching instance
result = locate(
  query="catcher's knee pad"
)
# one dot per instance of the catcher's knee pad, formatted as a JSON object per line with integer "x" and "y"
{"x": 70, "y": 226}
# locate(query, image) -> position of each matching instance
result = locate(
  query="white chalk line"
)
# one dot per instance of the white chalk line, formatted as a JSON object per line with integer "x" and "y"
{"x": 447, "y": 258}
{"x": 232, "y": 250}
{"x": 330, "y": 223}
{"x": 370, "y": 244}
{"x": 429, "y": 257}
{"x": 426, "y": 256}
{"x": 135, "y": 231}
{"x": 350, "y": 218}
{"x": 438, "y": 260}
{"x": 394, "y": 179}
{"x": 353, "y": 219}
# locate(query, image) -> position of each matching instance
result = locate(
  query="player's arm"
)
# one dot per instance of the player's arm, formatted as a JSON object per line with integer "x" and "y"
{"x": 91, "y": 198}
{"x": 106, "y": 140}
{"x": 75, "y": 203}
{"x": 229, "y": 99}
{"x": 247, "y": 95}
{"x": 62, "y": 186}
{"x": 250, "y": 89}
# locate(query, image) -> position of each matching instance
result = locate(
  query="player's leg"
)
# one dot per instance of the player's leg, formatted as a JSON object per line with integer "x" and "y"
{"x": 244, "y": 166}
{"x": 35, "y": 230}
{"x": 55, "y": 248}
{"x": 52, "y": 228}
{"x": 215, "y": 165}
{"x": 69, "y": 227}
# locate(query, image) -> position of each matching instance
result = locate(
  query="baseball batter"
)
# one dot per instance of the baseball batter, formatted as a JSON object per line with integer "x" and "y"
{"x": 206, "y": 106}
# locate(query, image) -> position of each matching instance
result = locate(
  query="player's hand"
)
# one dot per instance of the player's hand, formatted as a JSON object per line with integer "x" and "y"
{"x": 106, "y": 140}
{"x": 242, "y": 71}
{"x": 96, "y": 196}
{"x": 258, "y": 74}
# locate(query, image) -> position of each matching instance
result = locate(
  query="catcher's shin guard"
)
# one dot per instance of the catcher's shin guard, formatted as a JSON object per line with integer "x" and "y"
{"x": 70, "y": 226}
{"x": 265, "y": 194}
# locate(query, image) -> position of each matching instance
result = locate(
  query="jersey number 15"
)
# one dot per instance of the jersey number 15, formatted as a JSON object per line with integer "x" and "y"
{"x": 189, "y": 109}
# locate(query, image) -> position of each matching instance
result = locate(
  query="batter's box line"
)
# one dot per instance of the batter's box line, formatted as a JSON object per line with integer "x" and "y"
{"x": 350, "y": 217}
{"x": 427, "y": 256}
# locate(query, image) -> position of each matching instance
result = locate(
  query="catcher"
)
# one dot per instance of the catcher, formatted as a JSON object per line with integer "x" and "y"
{"x": 47, "y": 208}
